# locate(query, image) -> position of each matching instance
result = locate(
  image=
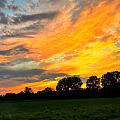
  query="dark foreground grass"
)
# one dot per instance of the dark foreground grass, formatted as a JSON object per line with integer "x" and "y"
{"x": 73, "y": 109}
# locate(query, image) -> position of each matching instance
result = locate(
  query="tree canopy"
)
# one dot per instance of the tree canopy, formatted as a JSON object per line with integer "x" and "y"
{"x": 93, "y": 82}
{"x": 110, "y": 79}
{"x": 69, "y": 83}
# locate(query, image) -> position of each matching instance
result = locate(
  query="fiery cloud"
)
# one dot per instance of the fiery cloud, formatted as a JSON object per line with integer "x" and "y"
{"x": 59, "y": 38}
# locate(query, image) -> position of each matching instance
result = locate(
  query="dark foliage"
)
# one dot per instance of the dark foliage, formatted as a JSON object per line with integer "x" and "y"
{"x": 48, "y": 89}
{"x": 69, "y": 83}
{"x": 93, "y": 82}
{"x": 110, "y": 79}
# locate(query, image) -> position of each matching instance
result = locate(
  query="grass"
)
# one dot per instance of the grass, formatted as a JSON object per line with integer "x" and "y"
{"x": 73, "y": 109}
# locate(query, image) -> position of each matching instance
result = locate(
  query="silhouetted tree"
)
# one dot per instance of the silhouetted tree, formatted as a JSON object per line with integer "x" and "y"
{"x": 69, "y": 83}
{"x": 110, "y": 79}
{"x": 28, "y": 90}
{"x": 116, "y": 75}
{"x": 48, "y": 89}
{"x": 93, "y": 82}
{"x": 70, "y": 88}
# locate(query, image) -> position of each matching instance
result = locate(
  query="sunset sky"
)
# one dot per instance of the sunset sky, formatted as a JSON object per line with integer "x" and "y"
{"x": 42, "y": 41}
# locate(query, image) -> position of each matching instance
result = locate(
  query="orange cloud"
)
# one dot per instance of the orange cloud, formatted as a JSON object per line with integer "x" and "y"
{"x": 37, "y": 86}
{"x": 84, "y": 47}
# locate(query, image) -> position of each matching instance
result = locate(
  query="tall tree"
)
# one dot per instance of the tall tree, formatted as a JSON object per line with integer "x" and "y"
{"x": 28, "y": 90}
{"x": 110, "y": 79}
{"x": 93, "y": 82}
{"x": 69, "y": 83}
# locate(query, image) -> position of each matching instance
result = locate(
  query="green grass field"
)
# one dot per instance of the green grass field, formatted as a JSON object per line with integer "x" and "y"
{"x": 73, "y": 109}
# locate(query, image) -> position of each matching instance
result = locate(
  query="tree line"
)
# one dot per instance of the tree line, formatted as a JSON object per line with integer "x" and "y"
{"x": 70, "y": 87}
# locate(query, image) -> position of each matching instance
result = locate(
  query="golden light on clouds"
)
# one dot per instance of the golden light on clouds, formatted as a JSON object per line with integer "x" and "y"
{"x": 87, "y": 45}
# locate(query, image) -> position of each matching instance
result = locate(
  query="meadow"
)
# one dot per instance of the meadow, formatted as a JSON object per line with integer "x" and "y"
{"x": 69, "y": 109}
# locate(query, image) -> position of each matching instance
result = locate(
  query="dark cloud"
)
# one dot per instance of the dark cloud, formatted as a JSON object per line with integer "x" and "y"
{"x": 81, "y": 5}
{"x": 35, "y": 26}
{"x": 24, "y": 19}
{"x": 24, "y": 76}
{"x": 20, "y": 73}
{"x": 3, "y": 18}
{"x": 14, "y": 51}
{"x": 33, "y": 17}
{"x": 9, "y": 78}
{"x": 13, "y": 7}
{"x": 41, "y": 77}
{"x": 30, "y": 29}
{"x": 51, "y": 76}
{"x": 25, "y": 32}
{"x": 3, "y": 3}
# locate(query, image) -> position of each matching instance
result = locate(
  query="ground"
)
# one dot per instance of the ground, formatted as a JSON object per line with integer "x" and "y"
{"x": 72, "y": 109}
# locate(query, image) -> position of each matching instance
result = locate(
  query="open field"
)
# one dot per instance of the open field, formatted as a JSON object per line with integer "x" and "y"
{"x": 73, "y": 109}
